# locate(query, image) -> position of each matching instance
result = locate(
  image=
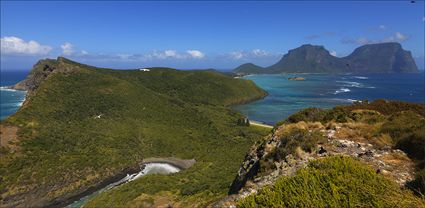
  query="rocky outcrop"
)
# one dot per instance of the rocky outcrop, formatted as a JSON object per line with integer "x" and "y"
{"x": 42, "y": 70}
{"x": 248, "y": 170}
{"x": 258, "y": 170}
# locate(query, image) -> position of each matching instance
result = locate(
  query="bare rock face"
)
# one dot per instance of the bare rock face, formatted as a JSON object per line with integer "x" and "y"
{"x": 40, "y": 71}
{"x": 248, "y": 169}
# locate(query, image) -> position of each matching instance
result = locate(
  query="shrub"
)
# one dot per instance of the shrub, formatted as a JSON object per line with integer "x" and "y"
{"x": 333, "y": 182}
{"x": 296, "y": 137}
{"x": 407, "y": 130}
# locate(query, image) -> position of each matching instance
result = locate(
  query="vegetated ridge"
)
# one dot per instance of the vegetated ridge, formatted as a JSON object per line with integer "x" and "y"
{"x": 82, "y": 127}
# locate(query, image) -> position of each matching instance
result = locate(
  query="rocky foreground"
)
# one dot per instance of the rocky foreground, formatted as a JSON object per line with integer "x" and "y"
{"x": 293, "y": 145}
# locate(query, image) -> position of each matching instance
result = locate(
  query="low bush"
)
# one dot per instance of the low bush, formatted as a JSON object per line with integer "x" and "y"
{"x": 334, "y": 182}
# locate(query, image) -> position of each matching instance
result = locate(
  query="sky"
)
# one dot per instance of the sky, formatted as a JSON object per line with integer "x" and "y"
{"x": 199, "y": 35}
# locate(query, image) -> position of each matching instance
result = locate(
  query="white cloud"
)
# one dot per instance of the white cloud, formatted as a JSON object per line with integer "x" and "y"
{"x": 171, "y": 53}
{"x": 83, "y": 52}
{"x": 15, "y": 45}
{"x": 67, "y": 48}
{"x": 382, "y": 27}
{"x": 400, "y": 37}
{"x": 396, "y": 37}
{"x": 237, "y": 55}
{"x": 255, "y": 53}
{"x": 333, "y": 53}
{"x": 196, "y": 54}
{"x": 259, "y": 52}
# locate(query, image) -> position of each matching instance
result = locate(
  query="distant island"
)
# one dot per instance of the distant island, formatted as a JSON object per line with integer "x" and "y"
{"x": 296, "y": 78}
{"x": 371, "y": 58}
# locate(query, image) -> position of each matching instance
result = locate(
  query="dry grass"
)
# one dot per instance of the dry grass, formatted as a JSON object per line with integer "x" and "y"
{"x": 364, "y": 133}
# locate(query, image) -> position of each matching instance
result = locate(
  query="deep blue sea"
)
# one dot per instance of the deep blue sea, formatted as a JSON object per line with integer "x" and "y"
{"x": 10, "y": 100}
{"x": 326, "y": 91}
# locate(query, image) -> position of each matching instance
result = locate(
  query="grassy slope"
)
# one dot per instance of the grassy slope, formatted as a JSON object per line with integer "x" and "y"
{"x": 159, "y": 113}
{"x": 334, "y": 182}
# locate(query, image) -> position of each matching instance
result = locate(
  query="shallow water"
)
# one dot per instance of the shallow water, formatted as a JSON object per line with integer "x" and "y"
{"x": 10, "y": 100}
{"x": 326, "y": 91}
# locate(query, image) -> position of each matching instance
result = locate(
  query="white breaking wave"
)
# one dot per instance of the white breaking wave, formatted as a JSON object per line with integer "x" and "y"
{"x": 359, "y": 77}
{"x": 354, "y": 84}
{"x": 352, "y": 100}
{"x": 150, "y": 168}
{"x": 17, "y": 104}
{"x": 155, "y": 168}
{"x": 7, "y": 89}
{"x": 343, "y": 100}
{"x": 342, "y": 90}
{"x": 351, "y": 84}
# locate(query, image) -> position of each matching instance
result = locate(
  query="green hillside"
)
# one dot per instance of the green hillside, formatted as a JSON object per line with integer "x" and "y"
{"x": 83, "y": 125}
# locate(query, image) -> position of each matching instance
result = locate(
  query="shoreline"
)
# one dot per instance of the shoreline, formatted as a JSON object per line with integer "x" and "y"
{"x": 175, "y": 162}
{"x": 102, "y": 184}
{"x": 257, "y": 123}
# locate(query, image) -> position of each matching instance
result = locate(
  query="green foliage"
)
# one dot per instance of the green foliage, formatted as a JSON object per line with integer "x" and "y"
{"x": 389, "y": 107}
{"x": 404, "y": 122}
{"x": 90, "y": 124}
{"x": 309, "y": 114}
{"x": 408, "y": 132}
{"x": 348, "y": 113}
{"x": 295, "y": 138}
{"x": 290, "y": 141}
{"x": 333, "y": 182}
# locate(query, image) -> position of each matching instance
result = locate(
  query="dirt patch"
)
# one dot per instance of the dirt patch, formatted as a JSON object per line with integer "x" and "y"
{"x": 9, "y": 137}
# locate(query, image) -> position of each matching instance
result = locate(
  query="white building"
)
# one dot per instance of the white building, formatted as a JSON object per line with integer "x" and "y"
{"x": 145, "y": 70}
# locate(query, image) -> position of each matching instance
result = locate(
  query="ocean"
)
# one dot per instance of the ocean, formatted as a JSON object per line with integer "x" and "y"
{"x": 10, "y": 100}
{"x": 285, "y": 96}
{"x": 326, "y": 91}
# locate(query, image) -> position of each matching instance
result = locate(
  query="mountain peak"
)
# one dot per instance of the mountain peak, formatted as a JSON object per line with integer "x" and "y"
{"x": 248, "y": 68}
{"x": 387, "y": 57}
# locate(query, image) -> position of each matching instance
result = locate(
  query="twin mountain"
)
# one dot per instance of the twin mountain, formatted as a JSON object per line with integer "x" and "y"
{"x": 371, "y": 58}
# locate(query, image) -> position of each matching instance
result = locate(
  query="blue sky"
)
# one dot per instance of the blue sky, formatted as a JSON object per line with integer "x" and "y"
{"x": 191, "y": 35}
